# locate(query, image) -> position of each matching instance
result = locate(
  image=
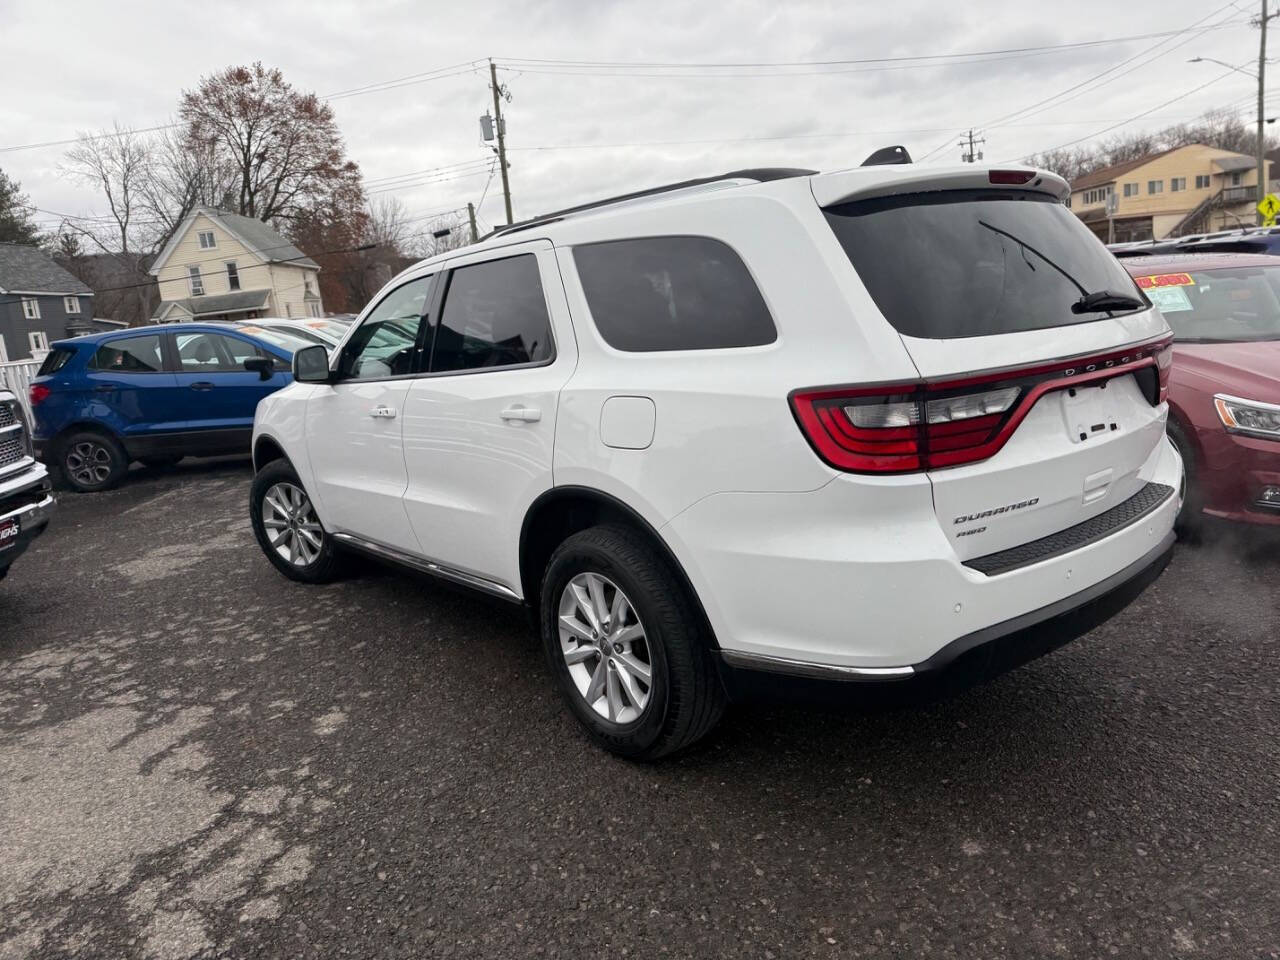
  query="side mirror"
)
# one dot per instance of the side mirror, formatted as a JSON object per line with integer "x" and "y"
{"x": 311, "y": 365}
{"x": 262, "y": 366}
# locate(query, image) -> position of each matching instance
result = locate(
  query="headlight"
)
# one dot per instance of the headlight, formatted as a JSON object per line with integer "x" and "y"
{"x": 1251, "y": 417}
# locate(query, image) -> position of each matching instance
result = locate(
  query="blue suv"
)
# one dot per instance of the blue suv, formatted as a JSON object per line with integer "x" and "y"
{"x": 153, "y": 394}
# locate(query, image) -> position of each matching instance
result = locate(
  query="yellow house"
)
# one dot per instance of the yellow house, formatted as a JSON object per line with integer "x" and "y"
{"x": 1191, "y": 189}
{"x": 222, "y": 266}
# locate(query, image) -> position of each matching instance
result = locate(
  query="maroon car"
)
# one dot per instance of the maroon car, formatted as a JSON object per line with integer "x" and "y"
{"x": 1224, "y": 394}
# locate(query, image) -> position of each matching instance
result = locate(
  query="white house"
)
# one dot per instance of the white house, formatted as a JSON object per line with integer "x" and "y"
{"x": 222, "y": 266}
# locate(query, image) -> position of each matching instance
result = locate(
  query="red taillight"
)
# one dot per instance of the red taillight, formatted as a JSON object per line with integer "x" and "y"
{"x": 1010, "y": 176}
{"x": 39, "y": 392}
{"x": 907, "y": 427}
{"x": 1164, "y": 366}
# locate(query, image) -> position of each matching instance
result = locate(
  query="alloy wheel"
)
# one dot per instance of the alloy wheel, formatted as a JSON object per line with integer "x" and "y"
{"x": 89, "y": 463}
{"x": 293, "y": 529}
{"x": 605, "y": 648}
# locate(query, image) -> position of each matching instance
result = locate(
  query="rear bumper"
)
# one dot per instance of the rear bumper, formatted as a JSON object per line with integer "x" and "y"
{"x": 859, "y": 579}
{"x": 975, "y": 657}
{"x": 28, "y": 498}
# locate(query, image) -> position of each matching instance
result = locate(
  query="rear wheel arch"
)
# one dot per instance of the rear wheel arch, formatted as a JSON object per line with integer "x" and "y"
{"x": 563, "y": 511}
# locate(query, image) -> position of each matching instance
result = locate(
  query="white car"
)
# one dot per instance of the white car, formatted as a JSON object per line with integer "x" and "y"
{"x": 326, "y": 333}
{"x": 893, "y": 425}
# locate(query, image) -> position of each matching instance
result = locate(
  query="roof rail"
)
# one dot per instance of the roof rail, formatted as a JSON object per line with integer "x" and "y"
{"x": 760, "y": 175}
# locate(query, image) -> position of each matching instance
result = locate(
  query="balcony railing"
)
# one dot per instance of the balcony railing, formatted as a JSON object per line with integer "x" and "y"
{"x": 1244, "y": 194}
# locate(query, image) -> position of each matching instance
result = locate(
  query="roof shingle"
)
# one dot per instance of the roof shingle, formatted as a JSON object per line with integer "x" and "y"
{"x": 26, "y": 269}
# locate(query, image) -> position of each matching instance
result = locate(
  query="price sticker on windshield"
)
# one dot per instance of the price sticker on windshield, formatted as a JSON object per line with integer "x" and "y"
{"x": 1165, "y": 280}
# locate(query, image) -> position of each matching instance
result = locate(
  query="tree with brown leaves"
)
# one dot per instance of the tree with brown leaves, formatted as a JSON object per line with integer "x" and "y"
{"x": 282, "y": 146}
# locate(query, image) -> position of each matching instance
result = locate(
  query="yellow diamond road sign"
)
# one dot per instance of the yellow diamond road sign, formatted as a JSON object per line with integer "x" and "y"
{"x": 1269, "y": 206}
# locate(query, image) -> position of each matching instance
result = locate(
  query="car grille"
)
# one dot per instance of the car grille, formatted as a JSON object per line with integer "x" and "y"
{"x": 7, "y": 417}
{"x": 12, "y": 449}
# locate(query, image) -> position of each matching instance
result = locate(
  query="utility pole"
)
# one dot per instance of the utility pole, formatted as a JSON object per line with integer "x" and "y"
{"x": 1262, "y": 78}
{"x": 498, "y": 93}
{"x": 970, "y": 156}
{"x": 471, "y": 215}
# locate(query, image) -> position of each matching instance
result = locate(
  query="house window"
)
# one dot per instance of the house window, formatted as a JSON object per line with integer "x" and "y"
{"x": 1130, "y": 189}
{"x": 314, "y": 309}
{"x": 193, "y": 278}
{"x": 38, "y": 340}
{"x": 31, "y": 309}
{"x": 71, "y": 304}
{"x": 233, "y": 276}
{"x": 1202, "y": 181}
{"x": 1177, "y": 183}
{"x": 1235, "y": 179}
{"x": 1155, "y": 186}
{"x": 207, "y": 240}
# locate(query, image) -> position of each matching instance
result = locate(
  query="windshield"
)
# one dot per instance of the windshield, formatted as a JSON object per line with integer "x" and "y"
{"x": 972, "y": 263}
{"x": 1220, "y": 305}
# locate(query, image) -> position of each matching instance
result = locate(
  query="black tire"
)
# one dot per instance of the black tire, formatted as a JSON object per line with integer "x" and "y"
{"x": 160, "y": 463}
{"x": 328, "y": 562}
{"x": 686, "y": 697}
{"x": 90, "y": 462}
{"x": 1189, "y": 525}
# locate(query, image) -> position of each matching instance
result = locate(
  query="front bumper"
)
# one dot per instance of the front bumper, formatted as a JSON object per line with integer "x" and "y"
{"x": 28, "y": 498}
{"x": 973, "y": 658}
{"x": 1234, "y": 471}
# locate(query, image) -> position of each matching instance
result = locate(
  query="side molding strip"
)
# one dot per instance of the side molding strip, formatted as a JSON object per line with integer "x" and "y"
{"x": 428, "y": 566}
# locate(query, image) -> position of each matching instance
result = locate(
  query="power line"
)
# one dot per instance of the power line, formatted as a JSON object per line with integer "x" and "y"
{"x": 340, "y": 95}
{"x": 214, "y": 273}
{"x": 1031, "y": 108}
{"x": 1136, "y": 116}
{"x": 1046, "y": 48}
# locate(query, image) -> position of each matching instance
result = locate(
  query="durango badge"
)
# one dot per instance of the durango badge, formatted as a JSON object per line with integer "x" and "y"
{"x": 996, "y": 511}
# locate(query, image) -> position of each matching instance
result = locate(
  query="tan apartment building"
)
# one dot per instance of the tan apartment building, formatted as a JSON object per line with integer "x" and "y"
{"x": 222, "y": 266}
{"x": 1191, "y": 189}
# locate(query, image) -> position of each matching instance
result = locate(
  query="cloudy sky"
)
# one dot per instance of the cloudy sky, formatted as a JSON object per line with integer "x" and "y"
{"x": 651, "y": 106}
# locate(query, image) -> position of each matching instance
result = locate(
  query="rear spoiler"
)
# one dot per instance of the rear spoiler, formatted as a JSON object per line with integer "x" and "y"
{"x": 860, "y": 183}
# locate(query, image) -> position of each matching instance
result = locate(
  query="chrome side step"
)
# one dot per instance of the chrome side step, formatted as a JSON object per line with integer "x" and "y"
{"x": 384, "y": 552}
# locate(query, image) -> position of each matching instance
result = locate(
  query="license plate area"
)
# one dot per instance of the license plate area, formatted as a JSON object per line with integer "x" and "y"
{"x": 1089, "y": 413}
{"x": 9, "y": 530}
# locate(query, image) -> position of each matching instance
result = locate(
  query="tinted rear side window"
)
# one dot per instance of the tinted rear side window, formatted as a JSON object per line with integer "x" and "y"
{"x": 55, "y": 360}
{"x": 672, "y": 293}
{"x": 129, "y": 355}
{"x": 973, "y": 263}
{"x": 494, "y": 315}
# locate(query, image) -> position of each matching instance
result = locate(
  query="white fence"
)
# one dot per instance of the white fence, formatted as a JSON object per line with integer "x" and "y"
{"x": 16, "y": 376}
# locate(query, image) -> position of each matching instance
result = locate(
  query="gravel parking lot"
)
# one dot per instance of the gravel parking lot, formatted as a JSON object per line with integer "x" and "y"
{"x": 200, "y": 758}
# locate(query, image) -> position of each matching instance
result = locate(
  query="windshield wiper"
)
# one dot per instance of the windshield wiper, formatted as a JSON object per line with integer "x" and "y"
{"x": 1106, "y": 300}
{"x": 1101, "y": 300}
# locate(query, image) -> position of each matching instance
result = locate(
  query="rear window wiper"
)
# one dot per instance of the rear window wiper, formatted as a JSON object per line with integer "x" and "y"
{"x": 1106, "y": 300}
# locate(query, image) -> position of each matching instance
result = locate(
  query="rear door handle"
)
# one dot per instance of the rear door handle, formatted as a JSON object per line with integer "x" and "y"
{"x": 383, "y": 411}
{"x": 521, "y": 413}
{"x": 104, "y": 388}
{"x": 202, "y": 385}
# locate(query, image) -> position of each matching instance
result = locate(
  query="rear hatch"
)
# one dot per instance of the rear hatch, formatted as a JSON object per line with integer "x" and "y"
{"x": 1040, "y": 394}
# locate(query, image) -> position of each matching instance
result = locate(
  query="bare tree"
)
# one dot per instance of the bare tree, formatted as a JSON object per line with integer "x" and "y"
{"x": 117, "y": 163}
{"x": 181, "y": 177}
{"x": 388, "y": 224}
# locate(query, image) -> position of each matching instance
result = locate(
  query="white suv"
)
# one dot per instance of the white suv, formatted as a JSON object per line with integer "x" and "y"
{"x": 889, "y": 425}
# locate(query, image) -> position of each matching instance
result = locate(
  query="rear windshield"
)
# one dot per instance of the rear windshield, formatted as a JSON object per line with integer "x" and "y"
{"x": 55, "y": 360}
{"x": 1228, "y": 304}
{"x": 971, "y": 263}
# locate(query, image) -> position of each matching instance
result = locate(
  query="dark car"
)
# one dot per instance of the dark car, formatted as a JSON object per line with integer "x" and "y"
{"x": 1224, "y": 394}
{"x": 155, "y": 394}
